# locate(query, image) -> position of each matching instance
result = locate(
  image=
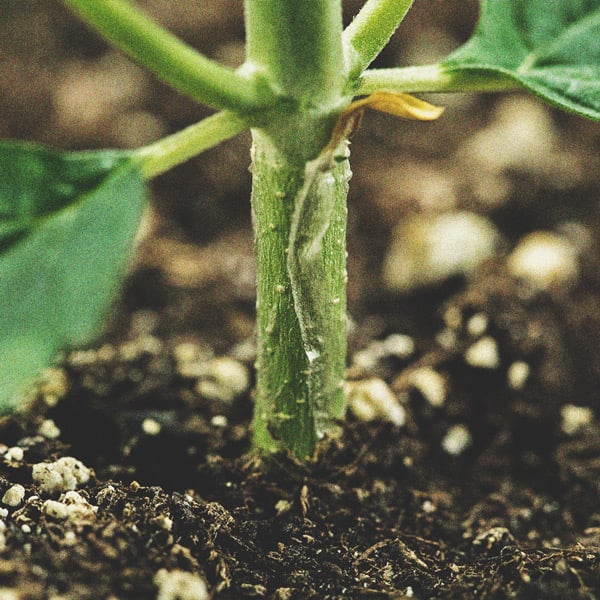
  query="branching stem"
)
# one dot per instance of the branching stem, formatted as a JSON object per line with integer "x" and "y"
{"x": 175, "y": 149}
{"x": 433, "y": 78}
{"x": 370, "y": 31}
{"x": 172, "y": 60}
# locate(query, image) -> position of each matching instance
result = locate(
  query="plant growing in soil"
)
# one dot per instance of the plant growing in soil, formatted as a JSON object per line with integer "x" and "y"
{"x": 68, "y": 220}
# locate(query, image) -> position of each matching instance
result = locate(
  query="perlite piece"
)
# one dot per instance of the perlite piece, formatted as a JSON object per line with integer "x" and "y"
{"x": 14, "y": 495}
{"x": 545, "y": 260}
{"x": 372, "y": 399}
{"x": 428, "y": 249}
{"x": 431, "y": 384}
{"x": 180, "y": 585}
{"x": 66, "y": 474}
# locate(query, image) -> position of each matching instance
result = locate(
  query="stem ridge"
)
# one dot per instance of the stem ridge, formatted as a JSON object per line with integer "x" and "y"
{"x": 314, "y": 207}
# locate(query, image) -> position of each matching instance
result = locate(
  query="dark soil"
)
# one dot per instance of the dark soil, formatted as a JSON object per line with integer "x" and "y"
{"x": 385, "y": 511}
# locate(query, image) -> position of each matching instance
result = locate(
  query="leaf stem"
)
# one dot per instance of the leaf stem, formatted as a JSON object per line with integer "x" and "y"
{"x": 434, "y": 78}
{"x": 175, "y": 149}
{"x": 172, "y": 60}
{"x": 370, "y": 31}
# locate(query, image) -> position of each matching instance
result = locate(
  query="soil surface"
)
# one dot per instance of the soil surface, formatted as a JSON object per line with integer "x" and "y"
{"x": 481, "y": 480}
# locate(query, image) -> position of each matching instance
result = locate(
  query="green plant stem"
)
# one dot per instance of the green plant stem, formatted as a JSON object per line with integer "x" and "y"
{"x": 299, "y": 207}
{"x": 433, "y": 78}
{"x": 300, "y": 223}
{"x": 172, "y": 60}
{"x": 175, "y": 149}
{"x": 297, "y": 44}
{"x": 370, "y": 31}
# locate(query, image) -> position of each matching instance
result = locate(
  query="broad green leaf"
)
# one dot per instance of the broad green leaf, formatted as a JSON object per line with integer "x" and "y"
{"x": 67, "y": 227}
{"x": 552, "y": 47}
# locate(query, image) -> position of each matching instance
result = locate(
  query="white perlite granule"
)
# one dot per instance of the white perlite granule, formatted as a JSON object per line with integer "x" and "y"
{"x": 71, "y": 507}
{"x": 371, "y": 399}
{"x": 64, "y": 475}
{"x": 429, "y": 248}
{"x": 545, "y": 260}
{"x": 457, "y": 440}
{"x": 431, "y": 384}
{"x": 483, "y": 354}
{"x": 517, "y": 374}
{"x": 14, "y": 454}
{"x": 180, "y": 585}
{"x": 151, "y": 427}
{"x": 575, "y": 418}
{"x": 14, "y": 495}
{"x": 49, "y": 430}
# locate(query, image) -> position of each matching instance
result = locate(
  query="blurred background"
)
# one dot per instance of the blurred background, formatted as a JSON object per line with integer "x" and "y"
{"x": 507, "y": 158}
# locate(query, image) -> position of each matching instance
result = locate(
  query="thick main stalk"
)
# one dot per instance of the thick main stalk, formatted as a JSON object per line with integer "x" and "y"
{"x": 300, "y": 222}
{"x": 299, "y": 206}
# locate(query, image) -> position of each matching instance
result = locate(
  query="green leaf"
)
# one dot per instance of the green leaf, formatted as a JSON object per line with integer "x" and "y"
{"x": 552, "y": 47}
{"x": 67, "y": 228}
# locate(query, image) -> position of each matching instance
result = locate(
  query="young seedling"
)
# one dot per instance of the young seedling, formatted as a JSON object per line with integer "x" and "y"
{"x": 68, "y": 220}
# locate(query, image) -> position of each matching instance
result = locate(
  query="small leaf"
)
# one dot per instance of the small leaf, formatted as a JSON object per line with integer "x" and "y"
{"x": 398, "y": 104}
{"x": 550, "y": 47}
{"x": 67, "y": 227}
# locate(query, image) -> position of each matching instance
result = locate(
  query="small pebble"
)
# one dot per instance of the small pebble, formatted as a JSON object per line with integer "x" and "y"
{"x": 518, "y": 374}
{"x": 575, "y": 418}
{"x": 14, "y": 495}
{"x": 545, "y": 260}
{"x": 373, "y": 399}
{"x": 483, "y": 354}
{"x": 431, "y": 384}
{"x": 457, "y": 440}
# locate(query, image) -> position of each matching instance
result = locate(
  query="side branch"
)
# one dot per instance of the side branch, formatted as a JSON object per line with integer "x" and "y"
{"x": 370, "y": 31}
{"x": 176, "y": 149}
{"x": 173, "y": 61}
{"x": 433, "y": 78}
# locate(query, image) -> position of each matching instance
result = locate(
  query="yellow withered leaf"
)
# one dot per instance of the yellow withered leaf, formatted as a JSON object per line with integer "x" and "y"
{"x": 400, "y": 105}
